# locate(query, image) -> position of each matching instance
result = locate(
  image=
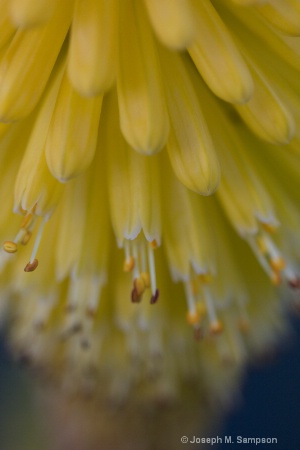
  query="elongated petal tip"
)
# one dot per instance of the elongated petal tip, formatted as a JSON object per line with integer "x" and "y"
{"x": 70, "y": 147}
{"x": 266, "y": 115}
{"x": 284, "y": 15}
{"x": 92, "y": 59}
{"x": 143, "y": 114}
{"x": 173, "y": 22}
{"x": 218, "y": 59}
{"x": 29, "y": 13}
{"x": 203, "y": 181}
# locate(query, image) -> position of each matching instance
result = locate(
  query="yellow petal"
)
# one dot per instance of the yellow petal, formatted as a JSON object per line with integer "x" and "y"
{"x": 283, "y": 14}
{"x": 242, "y": 194}
{"x": 6, "y": 27}
{"x": 272, "y": 111}
{"x": 28, "y": 62}
{"x": 92, "y": 53}
{"x": 217, "y": 57}
{"x": 11, "y": 150}
{"x": 72, "y": 136}
{"x": 252, "y": 33}
{"x": 265, "y": 114}
{"x": 35, "y": 186}
{"x": 143, "y": 115}
{"x": 186, "y": 235}
{"x": 28, "y": 13}
{"x": 190, "y": 147}
{"x": 94, "y": 253}
{"x": 133, "y": 183}
{"x": 70, "y": 232}
{"x": 173, "y": 21}
{"x": 248, "y": 2}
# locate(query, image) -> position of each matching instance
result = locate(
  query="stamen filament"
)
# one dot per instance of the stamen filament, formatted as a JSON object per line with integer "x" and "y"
{"x": 37, "y": 241}
{"x": 152, "y": 271}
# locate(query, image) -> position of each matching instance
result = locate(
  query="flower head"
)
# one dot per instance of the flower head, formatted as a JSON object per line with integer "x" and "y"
{"x": 118, "y": 120}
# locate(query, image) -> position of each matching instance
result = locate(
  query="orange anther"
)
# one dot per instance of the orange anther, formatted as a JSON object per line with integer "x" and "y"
{"x": 269, "y": 227}
{"x": 128, "y": 264}
{"x": 216, "y": 327}
{"x": 276, "y": 278}
{"x": 205, "y": 277}
{"x": 146, "y": 279}
{"x": 277, "y": 264}
{"x": 153, "y": 243}
{"x": 193, "y": 318}
{"x": 10, "y": 247}
{"x": 26, "y": 238}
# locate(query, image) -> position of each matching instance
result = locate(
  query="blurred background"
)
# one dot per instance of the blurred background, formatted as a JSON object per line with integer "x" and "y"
{"x": 269, "y": 407}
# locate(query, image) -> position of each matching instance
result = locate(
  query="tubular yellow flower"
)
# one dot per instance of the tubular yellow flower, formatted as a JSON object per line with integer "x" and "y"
{"x": 120, "y": 118}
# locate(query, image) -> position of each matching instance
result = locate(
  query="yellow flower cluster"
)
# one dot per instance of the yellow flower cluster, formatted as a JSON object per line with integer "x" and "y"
{"x": 119, "y": 118}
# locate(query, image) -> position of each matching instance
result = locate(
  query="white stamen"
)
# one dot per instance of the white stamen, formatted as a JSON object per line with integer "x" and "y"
{"x": 135, "y": 254}
{"x": 190, "y": 298}
{"x": 127, "y": 249}
{"x": 37, "y": 241}
{"x": 210, "y": 305}
{"x": 95, "y": 287}
{"x": 151, "y": 262}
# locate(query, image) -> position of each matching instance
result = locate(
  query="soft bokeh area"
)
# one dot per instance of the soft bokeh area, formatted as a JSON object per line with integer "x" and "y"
{"x": 269, "y": 405}
{"x": 20, "y": 422}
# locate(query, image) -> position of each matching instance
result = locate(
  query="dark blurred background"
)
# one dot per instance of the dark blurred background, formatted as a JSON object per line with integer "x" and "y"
{"x": 271, "y": 399}
{"x": 270, "y": 405}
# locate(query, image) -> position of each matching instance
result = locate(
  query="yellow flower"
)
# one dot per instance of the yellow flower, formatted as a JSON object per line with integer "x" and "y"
{"x": 119, "y": 117}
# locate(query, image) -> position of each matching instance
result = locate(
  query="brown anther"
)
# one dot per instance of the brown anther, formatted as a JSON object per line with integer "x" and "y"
{"x": 85, "y": 344}
{"x": 216, "y": 328}
{"x": 153, "y": 244}
{"x": 10, "y": 247}
{"x": 198, "y": 333}
{"x": 244, "y": 326}
{"x": 26, "y": 238}
{"x": 294, "y": 283}
{"x": 135, "y": 297}
{"x": 70, "y": 308}
{"x": 129, "y": 264}
{"x": 137, "y": 290}
{"x": 154, "y": 297}
{"x": 31, "y": 266}
{"x": 91, "y": 313}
